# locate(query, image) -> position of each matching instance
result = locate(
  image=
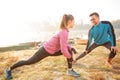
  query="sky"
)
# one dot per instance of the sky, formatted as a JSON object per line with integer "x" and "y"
{"x": 17, "y": 15}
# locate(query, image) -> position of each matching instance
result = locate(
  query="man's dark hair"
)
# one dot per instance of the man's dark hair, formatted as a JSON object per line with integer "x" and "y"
{"x": 94, "y": 13}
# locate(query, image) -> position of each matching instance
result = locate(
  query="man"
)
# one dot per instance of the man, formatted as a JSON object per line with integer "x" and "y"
{"x": 101, "y": 34}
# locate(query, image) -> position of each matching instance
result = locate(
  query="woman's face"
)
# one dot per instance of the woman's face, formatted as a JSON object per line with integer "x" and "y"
{"x": 71, "y": 23}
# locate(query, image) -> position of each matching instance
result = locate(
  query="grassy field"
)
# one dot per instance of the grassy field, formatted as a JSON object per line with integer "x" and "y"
{"x": 91, "y": 67}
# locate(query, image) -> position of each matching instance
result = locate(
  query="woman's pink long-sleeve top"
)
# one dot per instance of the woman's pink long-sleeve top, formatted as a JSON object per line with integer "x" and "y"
{"x": 59, "y": 42}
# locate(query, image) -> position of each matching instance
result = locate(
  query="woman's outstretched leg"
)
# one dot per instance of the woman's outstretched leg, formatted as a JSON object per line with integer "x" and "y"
{"x": 39, "y": 55}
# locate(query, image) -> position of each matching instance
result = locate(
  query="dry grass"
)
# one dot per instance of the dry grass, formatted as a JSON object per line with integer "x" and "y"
{"x": 91, "y": 67}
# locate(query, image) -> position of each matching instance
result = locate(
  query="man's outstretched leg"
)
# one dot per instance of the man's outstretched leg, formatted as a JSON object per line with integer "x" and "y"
{"x": 93, "y": 46}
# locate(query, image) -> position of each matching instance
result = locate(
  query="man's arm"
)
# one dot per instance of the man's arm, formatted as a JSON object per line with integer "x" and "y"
{"x": 111, "y": 32}
{"x": 112, "y": 36}
{"x": 64, "y": 44}
{"x": 89, "y": 39}
{"x": 87, "y": 47}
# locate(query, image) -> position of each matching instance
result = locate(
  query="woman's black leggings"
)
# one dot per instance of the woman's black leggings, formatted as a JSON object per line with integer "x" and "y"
{"x": 39, "y": 55}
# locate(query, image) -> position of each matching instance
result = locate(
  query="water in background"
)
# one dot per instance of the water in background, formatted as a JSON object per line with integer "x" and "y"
{"x": 40, "y": 36}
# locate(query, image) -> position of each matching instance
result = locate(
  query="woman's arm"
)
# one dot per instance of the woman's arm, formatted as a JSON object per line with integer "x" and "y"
{"x": 64, "y": 44}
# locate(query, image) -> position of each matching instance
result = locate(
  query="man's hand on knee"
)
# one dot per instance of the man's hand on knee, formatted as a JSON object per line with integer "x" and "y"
{"x": 114, "y": 49}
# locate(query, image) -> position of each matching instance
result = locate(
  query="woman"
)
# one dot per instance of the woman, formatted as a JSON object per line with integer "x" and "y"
{"x": 56, "y": 46}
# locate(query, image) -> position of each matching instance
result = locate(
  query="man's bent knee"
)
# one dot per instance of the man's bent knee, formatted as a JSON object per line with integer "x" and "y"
{"x": 112, "y": 55}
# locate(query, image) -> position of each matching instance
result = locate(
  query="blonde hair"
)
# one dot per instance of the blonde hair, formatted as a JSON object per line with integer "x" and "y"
{"x": 65, "y": 20}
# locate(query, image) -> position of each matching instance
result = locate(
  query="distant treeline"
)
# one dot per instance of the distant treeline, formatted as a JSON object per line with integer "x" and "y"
{"x": 47, "y": 26}
{"x": 116, "y": 24}
{"x": 81, "y": 26}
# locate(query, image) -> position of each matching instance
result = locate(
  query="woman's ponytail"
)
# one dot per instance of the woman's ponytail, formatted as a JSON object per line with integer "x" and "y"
{"x": 65, "y": 20}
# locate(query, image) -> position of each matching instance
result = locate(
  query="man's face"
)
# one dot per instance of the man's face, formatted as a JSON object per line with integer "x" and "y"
{"x": 94, "y": 19}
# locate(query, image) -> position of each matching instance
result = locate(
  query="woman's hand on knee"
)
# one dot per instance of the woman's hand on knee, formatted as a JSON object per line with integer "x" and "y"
{"x": 74, "y": 51}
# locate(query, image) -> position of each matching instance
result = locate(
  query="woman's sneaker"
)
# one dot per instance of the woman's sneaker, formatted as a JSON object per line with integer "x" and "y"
{"x": 8, "y": 74}
{"x": 72, "y": 73}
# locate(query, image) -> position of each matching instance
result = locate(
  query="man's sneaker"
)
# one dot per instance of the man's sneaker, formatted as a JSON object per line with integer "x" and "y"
{"x": 72, "y": 73}
{"x": 8, "y": 74}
